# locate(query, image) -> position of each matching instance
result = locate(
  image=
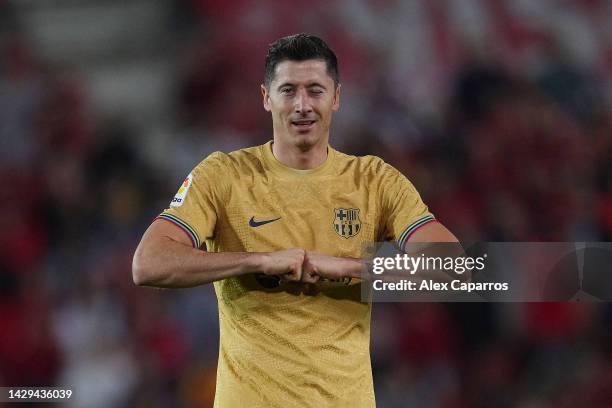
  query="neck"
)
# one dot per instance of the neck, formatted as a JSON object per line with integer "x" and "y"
{"x": 298, "y": 157}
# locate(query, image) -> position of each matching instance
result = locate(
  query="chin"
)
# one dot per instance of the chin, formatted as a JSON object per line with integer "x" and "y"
{"x": 306, "y": 141}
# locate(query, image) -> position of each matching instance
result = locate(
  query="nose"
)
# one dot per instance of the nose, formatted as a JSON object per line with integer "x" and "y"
{"x": 302, "y": 102}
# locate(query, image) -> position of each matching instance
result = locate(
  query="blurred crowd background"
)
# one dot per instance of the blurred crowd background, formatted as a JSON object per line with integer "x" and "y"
{"x": 499, "y": 111}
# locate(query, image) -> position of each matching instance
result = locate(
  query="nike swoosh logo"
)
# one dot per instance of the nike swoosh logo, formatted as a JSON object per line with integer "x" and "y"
{"x": 256, "y": 224}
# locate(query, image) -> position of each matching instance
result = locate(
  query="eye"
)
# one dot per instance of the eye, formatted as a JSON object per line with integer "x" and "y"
{"x": 286, "y": 91}
{"x": 316, "y": 91}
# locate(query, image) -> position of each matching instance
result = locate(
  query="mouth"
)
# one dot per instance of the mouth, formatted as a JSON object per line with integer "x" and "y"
{"x": 303, "y": 124}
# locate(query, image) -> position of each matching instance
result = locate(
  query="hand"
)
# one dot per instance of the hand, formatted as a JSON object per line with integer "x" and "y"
{"x": 286, "y": 264}
{"x": 318, "y": 266}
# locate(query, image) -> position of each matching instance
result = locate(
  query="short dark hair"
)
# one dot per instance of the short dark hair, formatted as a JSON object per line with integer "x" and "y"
{"x": 300, "y": 47}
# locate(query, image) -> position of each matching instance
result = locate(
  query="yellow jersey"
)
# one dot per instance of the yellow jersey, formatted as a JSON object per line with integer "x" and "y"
{"x": 285, "y": 346}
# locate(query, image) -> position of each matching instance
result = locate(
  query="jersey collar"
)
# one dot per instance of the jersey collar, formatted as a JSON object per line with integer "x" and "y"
{"x": 279, "y": 168}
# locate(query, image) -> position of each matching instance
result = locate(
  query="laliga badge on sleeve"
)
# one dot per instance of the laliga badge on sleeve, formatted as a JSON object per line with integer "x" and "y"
{"x": 179, "y": 198}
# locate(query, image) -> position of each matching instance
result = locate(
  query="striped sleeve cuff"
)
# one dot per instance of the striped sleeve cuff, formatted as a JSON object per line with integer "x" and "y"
{"x": 193, "y": 235}
{"x": 413, "y": 227}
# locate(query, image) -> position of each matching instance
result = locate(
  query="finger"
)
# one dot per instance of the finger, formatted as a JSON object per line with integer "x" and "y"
{"x": 308, "y": 273}
{"x": 310, "y": 277}
{"x": 298, "y": 270}
{"x": 292, "y": 276}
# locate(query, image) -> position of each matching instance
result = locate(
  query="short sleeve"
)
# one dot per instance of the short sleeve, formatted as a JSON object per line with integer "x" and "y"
{"x": 194, "y": 208}
{"x": 402, "y": 209}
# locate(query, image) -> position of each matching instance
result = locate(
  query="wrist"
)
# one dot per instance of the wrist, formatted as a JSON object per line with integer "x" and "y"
{"x": 353, "y": 268}
{"x": 255, "y": 262}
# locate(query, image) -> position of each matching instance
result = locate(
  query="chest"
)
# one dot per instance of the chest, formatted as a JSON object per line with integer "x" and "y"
{"x": 334, "y": 216}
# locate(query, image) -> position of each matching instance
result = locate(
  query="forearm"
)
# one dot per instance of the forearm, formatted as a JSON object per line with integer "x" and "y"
{"x": 354, "y": 268}
{"x": 331, "y": 267}
{"x": 435, "y": 275}
{"x": 166, "y": 263}
{"x": 440, "y": 262}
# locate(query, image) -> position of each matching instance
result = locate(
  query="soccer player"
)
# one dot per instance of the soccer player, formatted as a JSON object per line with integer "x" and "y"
{"x": 283, "y": 226}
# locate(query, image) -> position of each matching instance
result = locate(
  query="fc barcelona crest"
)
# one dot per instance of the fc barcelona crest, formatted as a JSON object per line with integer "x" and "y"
{"x": 346, "y": 222}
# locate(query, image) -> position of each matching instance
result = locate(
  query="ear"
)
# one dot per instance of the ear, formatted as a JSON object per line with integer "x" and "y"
{"x": 336, "y": 103}
{"x": 266, "y": 98}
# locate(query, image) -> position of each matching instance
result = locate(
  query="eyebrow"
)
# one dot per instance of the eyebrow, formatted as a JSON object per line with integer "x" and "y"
{"x": 311, "y": 85}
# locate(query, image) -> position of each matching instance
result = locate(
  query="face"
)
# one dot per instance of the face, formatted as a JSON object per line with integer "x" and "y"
{"x": 302, "y": 98}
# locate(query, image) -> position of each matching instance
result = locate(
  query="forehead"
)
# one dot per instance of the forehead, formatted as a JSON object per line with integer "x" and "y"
{"x": 301, "y": 72}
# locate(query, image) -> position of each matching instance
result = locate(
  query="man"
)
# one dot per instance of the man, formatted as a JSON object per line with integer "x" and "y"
{"x": 284, "y": 225}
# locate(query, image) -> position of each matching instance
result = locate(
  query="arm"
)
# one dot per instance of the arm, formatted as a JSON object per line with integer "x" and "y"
{"x": 432, "y": 232}
{"x": 319, "y": 265}
{"x": 165, "y": 258}
{"x": 421, "y": 242}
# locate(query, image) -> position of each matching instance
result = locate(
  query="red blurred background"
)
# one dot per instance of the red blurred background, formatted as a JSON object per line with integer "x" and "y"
{"x": 499, "y": 111}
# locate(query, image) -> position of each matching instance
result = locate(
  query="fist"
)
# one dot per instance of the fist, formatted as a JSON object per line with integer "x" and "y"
{"x": 318, "y": 266}
{"x": 286, "y": 264}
